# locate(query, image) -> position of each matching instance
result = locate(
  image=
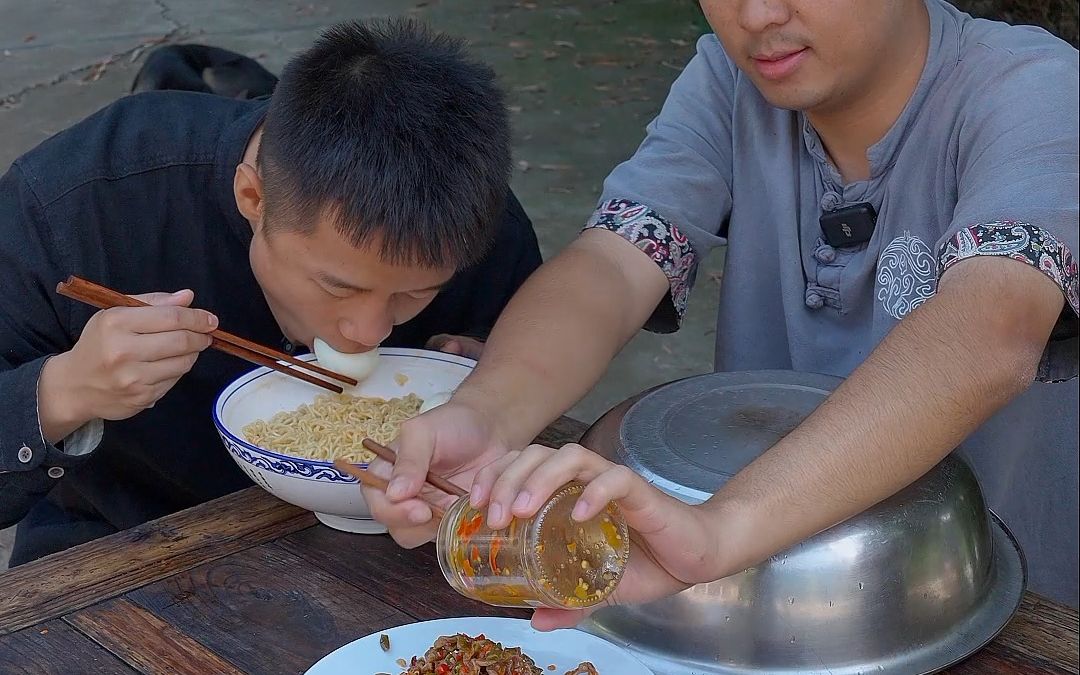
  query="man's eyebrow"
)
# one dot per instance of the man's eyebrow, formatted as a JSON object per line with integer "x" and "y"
{"x": 331, "y": 280}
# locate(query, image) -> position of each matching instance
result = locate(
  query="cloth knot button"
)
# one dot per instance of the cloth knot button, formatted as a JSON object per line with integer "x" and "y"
{"x": 830, "y": 200}
{"x": 825, "y": 254}
{"x": 814, "y": 300}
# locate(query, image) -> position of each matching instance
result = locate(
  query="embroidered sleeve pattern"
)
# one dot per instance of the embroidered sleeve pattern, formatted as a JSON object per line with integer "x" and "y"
{"x": 656, "y": 237}
{"x": 1019, "y": 241}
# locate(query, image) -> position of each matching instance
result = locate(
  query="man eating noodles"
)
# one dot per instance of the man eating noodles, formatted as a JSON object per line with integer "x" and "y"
{"x": 366, "y": 203}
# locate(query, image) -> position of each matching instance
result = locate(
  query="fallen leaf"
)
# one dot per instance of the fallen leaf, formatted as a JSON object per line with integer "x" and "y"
{"x": 531, "y": 88}
{"x": 29, "y": 38}
{"x": 565, "y": 44}
{"x": 555, "y": 167}
{"x": 680, "y": 43}
{"x": 549, "y": 55}
{"x": 98, "y": 71}
{"x": 640, "y": 41}
{"x": 517, "y": 44}
{"x": 43, "y": 631}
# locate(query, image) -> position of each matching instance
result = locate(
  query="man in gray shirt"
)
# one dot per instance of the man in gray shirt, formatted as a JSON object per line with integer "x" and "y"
{"x": 954, "y": 318}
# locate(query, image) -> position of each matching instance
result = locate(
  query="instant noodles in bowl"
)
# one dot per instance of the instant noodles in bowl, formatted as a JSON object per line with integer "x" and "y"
{"x": 300, "y": 470}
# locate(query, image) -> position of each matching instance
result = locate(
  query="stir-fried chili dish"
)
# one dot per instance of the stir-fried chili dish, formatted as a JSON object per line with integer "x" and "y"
{"x": 463, "y": 655}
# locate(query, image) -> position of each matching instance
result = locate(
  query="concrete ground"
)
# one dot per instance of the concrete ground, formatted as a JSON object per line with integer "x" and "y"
{"x": 584, "y": 78}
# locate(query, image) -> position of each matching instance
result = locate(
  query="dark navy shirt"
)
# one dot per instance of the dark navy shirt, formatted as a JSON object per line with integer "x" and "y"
{"x": 139, "y": 197}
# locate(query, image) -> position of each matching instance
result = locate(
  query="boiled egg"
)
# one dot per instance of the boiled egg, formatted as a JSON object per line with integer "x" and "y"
{"x": 357, "y": 366}
{"x": 435, "y": 400}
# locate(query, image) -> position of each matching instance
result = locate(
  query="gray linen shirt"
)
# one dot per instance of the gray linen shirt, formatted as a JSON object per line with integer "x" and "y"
{"x": 982, "y": 161}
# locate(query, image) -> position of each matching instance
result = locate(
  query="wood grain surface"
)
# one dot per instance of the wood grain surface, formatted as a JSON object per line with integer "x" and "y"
{"x": 249, "y": 584}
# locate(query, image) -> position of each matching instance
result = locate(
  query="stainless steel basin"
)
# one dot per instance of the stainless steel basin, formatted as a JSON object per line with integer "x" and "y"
{"x": 912, "y": 585}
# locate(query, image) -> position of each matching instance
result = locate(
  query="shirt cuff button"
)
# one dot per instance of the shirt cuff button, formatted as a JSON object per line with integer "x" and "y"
{"x": 56, "y": 472}
{"x": 25, "y": 454}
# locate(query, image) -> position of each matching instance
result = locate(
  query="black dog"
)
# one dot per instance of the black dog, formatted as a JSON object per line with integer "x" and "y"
{"x": 203, "y": 68}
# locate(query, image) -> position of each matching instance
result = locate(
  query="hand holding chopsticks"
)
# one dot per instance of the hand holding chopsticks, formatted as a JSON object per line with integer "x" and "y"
{"x": 105, "y": 298}
{"x": 386, "y": 454}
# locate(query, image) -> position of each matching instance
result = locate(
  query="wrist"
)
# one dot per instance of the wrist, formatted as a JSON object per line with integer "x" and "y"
{"x": 497, "y": 417}
{"x": 731, "y": 526}
{"x": 60, "y": 407}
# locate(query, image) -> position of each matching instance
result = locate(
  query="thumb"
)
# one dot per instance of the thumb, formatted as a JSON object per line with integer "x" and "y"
{"x": 179, "y": 298}
{"x": 437, "y": 341}
{"x": 546, "y": 619}
{"x": 451, "y": 347}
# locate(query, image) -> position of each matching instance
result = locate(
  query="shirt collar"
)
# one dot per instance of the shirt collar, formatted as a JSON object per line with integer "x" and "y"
{"x": 943, "y": 53}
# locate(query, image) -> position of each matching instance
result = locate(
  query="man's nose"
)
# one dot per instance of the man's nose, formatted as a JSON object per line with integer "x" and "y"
{"x": 367, "y": 327}
{"x": 756, "y": 15}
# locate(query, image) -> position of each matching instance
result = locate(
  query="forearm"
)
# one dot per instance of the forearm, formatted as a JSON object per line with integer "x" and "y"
{"x": 557, "y": 335}
{"x": 936, "y": 378}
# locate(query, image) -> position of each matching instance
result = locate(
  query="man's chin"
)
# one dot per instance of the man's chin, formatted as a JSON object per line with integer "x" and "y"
{"x": 793, "y": 96}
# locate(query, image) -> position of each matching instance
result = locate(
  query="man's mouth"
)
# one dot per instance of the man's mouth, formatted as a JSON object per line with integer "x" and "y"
{"x": 778, "y": 64}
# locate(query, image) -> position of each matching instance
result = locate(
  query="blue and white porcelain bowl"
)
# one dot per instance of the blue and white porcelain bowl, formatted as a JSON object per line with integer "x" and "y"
{"x": 334, "y": 497}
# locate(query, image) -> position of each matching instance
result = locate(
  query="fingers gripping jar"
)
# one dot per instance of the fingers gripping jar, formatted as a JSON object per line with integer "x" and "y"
{"x": 548, "y": 560}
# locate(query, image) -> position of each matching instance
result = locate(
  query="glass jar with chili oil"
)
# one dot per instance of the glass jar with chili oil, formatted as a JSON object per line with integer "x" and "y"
{"x": 549, "y": 560}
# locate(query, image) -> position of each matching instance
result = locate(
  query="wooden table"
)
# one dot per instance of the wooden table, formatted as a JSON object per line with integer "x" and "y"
{"x": 250, "y": 584}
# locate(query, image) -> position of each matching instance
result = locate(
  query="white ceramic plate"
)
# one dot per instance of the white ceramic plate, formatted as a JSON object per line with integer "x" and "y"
{"x": 564, "y": 649}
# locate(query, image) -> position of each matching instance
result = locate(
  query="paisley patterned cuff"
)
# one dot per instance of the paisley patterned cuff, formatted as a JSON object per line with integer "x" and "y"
{"x": 1019, "y": 241}
{"x": 1039, "y": 248}
{"x": 657, "y": 238}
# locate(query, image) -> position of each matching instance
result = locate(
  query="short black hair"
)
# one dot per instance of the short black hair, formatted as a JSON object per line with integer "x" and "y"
{"x": 394, "y": 132}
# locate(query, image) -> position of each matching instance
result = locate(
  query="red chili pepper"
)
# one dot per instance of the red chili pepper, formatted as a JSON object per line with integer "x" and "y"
{"x": 493, "y": 556}
{"x": 470, "y": 527}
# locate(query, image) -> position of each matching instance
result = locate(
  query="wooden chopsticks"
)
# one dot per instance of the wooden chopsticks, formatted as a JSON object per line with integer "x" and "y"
{"x": 437, "y": 482}
{"x": 373, "y": 481}
{"x": 104, "y": 298}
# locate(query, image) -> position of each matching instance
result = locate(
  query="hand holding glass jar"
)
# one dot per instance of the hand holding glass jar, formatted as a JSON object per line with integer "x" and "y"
{"x": 672, "y": 545}
{"x": 545, "y": 560}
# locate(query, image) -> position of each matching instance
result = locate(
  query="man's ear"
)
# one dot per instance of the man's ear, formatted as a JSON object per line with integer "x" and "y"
{"x": 248, "y": 192}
